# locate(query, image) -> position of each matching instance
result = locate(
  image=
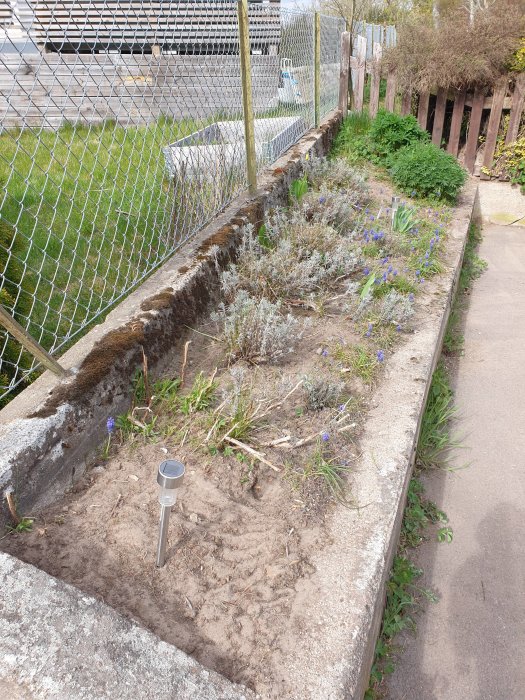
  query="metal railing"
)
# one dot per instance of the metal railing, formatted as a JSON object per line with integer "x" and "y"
{"x": 121, "y": 135}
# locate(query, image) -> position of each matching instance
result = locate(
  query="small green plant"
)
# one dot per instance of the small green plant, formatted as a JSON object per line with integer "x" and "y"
{"x": 424, "y": 170}
{"x": 473, "y": 265}
{"x": 434, "y": 437}
{"x": 25, "y": 525}
{"x": 263, "y": 237}
{"x": 361, "y": 361}
{"x": 404, "y": 220}
{"x": 165, "y": 391}
{"x": 200, "y": 396}
{"x": 419, "y": 513}
{"x": 298, "y": 188}
{"x": 320, "y": 466}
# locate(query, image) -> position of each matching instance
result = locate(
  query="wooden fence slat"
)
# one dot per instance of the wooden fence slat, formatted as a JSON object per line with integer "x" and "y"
{"x": 518, "y": 101}
{"x": 493, "y": 127}
{"x": 439, "y": 117}
{"x": 473, "y": 130}
{"x": 376, "y": 80}
{"x": 422, "y": 109}
{"x": 455, "y": 126}
{"x": 406, "y": 103}
{"x": 344, "y": 73}
{"x": 359, "y": 93}
{"x": 390, "y": 97}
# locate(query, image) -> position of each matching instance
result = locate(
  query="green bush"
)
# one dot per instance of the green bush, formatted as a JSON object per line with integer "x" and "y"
{"x": 427, "y": 171}
{"x": 389, "y": 132}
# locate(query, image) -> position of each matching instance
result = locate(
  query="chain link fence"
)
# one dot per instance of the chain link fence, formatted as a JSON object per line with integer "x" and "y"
{"x": 121, "y": 135}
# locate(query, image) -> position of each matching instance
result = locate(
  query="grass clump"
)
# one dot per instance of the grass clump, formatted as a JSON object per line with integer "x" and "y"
{"x": 255, "y": 330}
{"x": 321, "y": 467}
{"x": 200, "y": 396}
{"x": 424, "y": 170}
{"x": 434, "y": 438}
{"x": 350, "y": 135}
{"x": 358, "y": 360}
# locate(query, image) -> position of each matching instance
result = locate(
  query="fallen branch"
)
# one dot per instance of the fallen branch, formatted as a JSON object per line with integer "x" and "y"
{"x": 184, "y": 361}
{"x": 12, "y": 507}
{"x": 252, "y": 452}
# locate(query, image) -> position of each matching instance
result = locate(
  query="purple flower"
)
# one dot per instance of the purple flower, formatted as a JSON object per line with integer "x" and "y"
{"x": 366, "y": 271}
{"x": 324, "y": 353}
{"x": 372, "y": 217}
{"x": 384, "y": 260}
{"x": 411, "y": 296}
{"x": 325, "y": 436}
{"x": 398, "y": 328}
{"x": 369, "y": 331}
{"x": 342, "y": 407}
{"x": 380, "y": 356}
{"x": 384, "y": 277}
{"x": 390, "y": 268}
{"x": 395, "y": 273}
{"x": 418, "y": 272}
{"x": 322, "y": 200}
{"x": 110, "y": 424}
{"x": 413, "y": 193}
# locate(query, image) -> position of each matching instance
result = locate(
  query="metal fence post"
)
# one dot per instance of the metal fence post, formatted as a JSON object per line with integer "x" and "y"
{"x": 23, "y": 337}
{"x": 317, "y": 68}
{"x": 247, "y": 97}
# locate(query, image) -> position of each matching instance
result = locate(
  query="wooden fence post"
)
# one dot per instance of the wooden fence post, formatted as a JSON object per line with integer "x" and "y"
{"x": 494, "y": 121}
{"x": 317, "y": 68}
{"x": 455, "y": 126}
{"x": 26, "y": 341}
{"x": 473, "y": 130}
{"x": 344, "y": 72}
{"x": 376, "y": 80}
{"x": 361, "y": 68}
{"x": 439, "y": 117}
{"x": 390, "y": 97}
{"x": 518, "y": 99}
{"x": 422, "y": 109}
{"x": 406, "y": 103}
{"x": 247, "y": 96}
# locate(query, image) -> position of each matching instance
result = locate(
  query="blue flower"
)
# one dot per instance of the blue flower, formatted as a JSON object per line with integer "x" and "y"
{"x": 418, "y": 272}
{"x": 398, "y": 328}
{"x": 427, "y": 264}
{"x": 390, "y": 268}
{"x": 413, "y": 193}
{"x": 366, "y": 271}
{"x": 322, "y": 200}
{"x": 427, "y": 254}
{"x": 342, "y": 407}
{"x": 110, "y": 424}
{"x": 372, "y": 217}
{"x": 384, "y": 277}
{"x": 369, "y": 331}
{"x": 395, "y": 273}
{"x": 411, "y": 296}
{"x": 384, "y": 260}
{"x": 380, "y": 356}
{"x": 325, "y": 436}
{"x": 324, "y": 353}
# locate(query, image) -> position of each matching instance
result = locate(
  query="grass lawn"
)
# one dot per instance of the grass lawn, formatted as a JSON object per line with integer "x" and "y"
{"x": 93, "y": 212}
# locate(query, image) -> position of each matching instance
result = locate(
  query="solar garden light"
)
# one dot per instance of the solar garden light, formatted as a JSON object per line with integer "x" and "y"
{"x": 395, "y": 207}
{"x": 169, "y": 478}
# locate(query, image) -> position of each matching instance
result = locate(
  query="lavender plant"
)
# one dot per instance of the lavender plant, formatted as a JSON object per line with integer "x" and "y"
{"x": 336, "y": 174}
{"x": 321, "y": 392}
{"x": 255, "y": 329}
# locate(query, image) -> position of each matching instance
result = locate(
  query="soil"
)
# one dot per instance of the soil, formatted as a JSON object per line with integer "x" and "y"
{"x": 241, "y": 535}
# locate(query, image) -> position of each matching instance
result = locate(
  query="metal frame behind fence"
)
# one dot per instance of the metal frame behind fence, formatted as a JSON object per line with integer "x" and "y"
{"x": 121, "y": 135}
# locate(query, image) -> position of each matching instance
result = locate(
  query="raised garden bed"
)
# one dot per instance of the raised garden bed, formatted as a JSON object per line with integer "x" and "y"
{"x": 243, "y": 576}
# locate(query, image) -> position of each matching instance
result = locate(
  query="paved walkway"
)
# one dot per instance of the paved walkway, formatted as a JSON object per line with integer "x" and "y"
{"x": 471, "y": 644}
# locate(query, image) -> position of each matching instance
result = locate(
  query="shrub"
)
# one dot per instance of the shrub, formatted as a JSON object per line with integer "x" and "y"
{"x": 389, "y": 132}
{"x": 255, "y": 330}
{"x": 513, "y": 162}
{"x": 339, "y": 209}
{"x": 335, "y": 174}
{"x": 321, "y": 392}
{"x": 395, "y": 308}
{"x": 427, "y": 171}
{"x": 302, "y": 256}
{"x": 454, "y": 52}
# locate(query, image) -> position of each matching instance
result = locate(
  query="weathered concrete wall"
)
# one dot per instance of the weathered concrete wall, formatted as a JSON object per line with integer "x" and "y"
{"x": 60, "y": 644}
{"x": 49, "y": 430}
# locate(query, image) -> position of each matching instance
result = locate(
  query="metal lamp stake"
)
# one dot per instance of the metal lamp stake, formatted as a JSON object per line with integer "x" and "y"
{"x": 395, "y": 207}
{"x": 169, "y": 478}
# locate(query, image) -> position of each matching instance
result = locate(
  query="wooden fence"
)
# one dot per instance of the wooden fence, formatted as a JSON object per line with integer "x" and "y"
{"x": 466, "y": 123}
